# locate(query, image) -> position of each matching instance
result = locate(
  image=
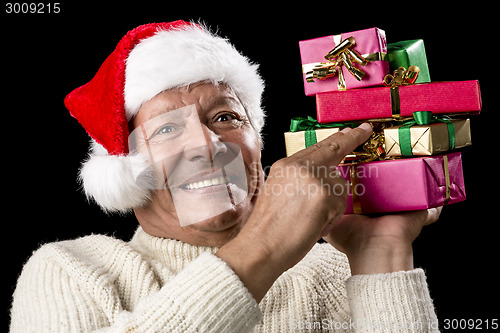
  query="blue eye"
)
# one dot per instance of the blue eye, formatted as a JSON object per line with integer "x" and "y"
{"x": 168, "y": 128}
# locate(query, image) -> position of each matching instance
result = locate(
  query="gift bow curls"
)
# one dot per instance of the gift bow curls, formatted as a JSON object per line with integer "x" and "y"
{"x": 340, "y": 55}
{"x": 401, "y": 77}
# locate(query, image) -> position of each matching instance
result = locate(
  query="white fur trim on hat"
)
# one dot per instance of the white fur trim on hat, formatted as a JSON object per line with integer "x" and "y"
{"x": 116, "y": 182}
{"x": 176, "y": 58}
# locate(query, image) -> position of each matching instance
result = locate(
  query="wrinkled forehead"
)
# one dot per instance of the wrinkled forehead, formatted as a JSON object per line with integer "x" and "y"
{"x": 204, "y": 96}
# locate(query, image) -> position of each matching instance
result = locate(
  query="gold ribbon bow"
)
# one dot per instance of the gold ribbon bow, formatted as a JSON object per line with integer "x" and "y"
{"x": 402, "y": 77}
{"x": 340, "y": 55}
{"x": 373, "y": 148}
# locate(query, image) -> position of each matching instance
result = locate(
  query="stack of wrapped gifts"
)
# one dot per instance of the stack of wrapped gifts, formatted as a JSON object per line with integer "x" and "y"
{"x": 409, "y": 162}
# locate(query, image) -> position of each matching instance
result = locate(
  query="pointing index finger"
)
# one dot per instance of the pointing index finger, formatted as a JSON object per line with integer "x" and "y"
{"x": 333, "y": 149}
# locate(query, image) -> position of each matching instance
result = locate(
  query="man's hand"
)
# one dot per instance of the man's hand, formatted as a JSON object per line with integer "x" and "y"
{"x": 380, "y": 244}
{"x": 301, "y": 196}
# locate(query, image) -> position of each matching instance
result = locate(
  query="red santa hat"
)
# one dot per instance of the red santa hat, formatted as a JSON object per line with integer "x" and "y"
{"x": 148, "y": 60}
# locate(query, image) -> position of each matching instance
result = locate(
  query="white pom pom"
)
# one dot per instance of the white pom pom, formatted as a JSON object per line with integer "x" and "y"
{"x": 117, "y": 183}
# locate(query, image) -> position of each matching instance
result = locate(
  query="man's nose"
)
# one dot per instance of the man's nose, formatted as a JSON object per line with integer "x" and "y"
{"x": 204, "y": 145}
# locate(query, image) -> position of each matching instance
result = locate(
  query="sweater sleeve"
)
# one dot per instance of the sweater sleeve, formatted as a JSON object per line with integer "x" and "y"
{"x": 391, "y": 302}
{"x": 206, "y": 296}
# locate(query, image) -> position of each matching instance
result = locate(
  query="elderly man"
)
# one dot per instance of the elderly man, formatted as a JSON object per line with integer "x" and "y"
{"x": 175, "y": 117}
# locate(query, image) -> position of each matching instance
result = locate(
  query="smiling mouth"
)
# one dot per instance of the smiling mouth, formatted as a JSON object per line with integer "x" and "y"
{"x": 209, "y": 182}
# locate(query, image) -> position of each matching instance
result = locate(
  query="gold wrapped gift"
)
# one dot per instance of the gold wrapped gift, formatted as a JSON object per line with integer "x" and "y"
{"x": 429, "y": 139}
{"x": 296, "y": 141}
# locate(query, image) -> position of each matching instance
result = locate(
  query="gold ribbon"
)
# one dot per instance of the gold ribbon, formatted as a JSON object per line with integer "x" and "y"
{"x": 356, "y": 203}
{"x": 447, "y": 179}
{"x": 341, "y": 55}
{"x": 373, "y": 148}
{"x": 400, "y": 77}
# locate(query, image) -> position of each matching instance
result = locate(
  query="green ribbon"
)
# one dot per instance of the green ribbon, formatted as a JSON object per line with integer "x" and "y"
{"x": 422, "y": 118}
{"x": 309, "y": 125}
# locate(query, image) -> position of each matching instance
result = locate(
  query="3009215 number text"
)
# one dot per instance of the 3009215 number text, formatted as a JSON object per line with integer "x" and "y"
{"x": 32, "y": 8}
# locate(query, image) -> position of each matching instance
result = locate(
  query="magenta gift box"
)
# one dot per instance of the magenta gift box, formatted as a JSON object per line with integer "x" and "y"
{"x": 368, "y": 41}
{"x": 405, "y": 184}
{"x": 379, "y": 102}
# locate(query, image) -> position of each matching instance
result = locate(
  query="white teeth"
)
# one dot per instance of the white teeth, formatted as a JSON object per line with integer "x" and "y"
{"x": 207, "y": 182}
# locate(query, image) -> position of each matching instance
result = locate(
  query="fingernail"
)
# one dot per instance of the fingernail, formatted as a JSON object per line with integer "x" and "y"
{"x": 366, "y": 126}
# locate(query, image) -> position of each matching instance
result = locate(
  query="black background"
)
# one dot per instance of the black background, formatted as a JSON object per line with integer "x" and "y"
{"x": 45, "y": 56}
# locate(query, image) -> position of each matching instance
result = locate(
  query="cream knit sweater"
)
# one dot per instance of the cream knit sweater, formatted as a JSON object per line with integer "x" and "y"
{"x": 102, "y": 284}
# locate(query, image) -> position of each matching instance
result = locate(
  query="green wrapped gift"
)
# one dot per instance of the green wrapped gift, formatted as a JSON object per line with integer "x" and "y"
{"x": 407, "y": 53}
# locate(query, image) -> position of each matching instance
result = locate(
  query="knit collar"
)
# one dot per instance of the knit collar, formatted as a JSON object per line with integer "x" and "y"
{"x": 172, "y": 253}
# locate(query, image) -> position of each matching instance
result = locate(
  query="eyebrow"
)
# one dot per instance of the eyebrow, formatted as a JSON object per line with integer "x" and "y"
{"x": 227, "y": 96}
{"x": 215, "y": 101}
{"x": 157, "y": 113}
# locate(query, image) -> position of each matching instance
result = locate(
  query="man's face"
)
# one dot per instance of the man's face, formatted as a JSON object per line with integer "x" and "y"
{"x": 206, "y": 159}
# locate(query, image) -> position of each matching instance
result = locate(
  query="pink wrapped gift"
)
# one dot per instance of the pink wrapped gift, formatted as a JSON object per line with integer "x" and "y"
{"x": 369, "y": 43}
{"x": 382, "y": 102}
{"x": 404, "y": 184}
